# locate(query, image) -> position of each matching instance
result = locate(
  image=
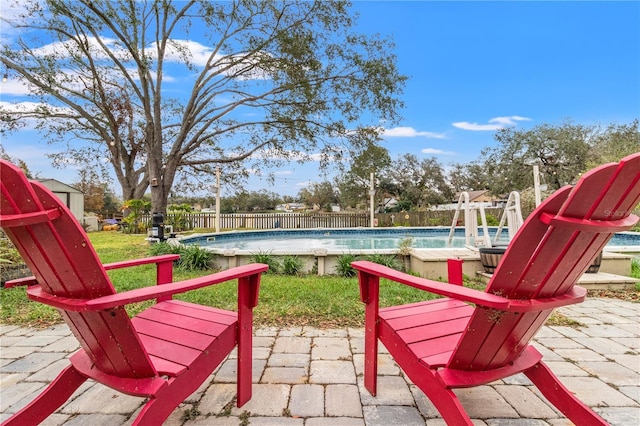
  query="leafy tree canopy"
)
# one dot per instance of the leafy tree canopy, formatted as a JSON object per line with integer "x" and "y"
{"x": 267, "y": 83}
{"x": 562, "y": 152}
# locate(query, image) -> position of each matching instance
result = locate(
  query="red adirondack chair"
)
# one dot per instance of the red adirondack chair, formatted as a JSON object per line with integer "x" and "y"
{"x": 164, "y": 353}
{"x": 449, "y": 343}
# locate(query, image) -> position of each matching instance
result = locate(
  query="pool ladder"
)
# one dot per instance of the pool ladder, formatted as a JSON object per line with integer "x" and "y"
{"x": 511, "y": 216}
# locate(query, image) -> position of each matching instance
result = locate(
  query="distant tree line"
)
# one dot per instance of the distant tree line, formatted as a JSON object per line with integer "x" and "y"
{"x": 562, "y": 152}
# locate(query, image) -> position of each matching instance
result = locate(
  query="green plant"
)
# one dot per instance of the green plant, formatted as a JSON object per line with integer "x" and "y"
{"x": 291, "y": 265}
{"x": 492, "y": 220}
{"x": 268, "y": 259}
{"x": 343, "y": 265}
{"x": 177, "y": 217}
{"x": 635, "y": 267}
{"x": 8, "y": 253}
{"x": 405, "y": 245}
{"x": 384, "y": 259}
{"x": 163, "y": 247}
{"x": 132, "y": 223}
{"x": 195, "y": 258}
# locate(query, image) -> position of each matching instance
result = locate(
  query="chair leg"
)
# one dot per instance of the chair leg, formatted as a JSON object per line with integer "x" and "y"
{"x": 49, "y": 400}
{"x": 371, "y": 355}
{"x": 155, "y": 412}
{"x": 245, "y": 363}
{"x": 561, "y": 397}
{"x": 448, "y": 405}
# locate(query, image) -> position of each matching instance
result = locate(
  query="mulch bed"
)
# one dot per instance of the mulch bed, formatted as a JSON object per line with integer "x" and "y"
{"x": 628, "y": 295}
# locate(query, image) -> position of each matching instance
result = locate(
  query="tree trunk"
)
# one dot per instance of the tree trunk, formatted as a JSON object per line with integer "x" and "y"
{"x": 159, "y": 196}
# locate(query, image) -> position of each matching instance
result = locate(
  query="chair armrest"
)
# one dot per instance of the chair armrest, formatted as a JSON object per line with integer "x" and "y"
{"x": 576, "y": 295}
{"x": 442, "y": 289}
{"x": 147, "y": 293}
{"x": 164, "y": 267}
{"x": 143, "y": 261}
{"x": 28, "y": 281}
{"x": 163, "y": 260}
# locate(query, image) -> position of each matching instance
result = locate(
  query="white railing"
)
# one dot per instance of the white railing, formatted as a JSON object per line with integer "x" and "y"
{"x": 512, "y": 215}
{"x": 472, "y": 238}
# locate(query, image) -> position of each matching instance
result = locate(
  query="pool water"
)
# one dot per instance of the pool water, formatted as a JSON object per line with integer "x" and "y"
{"x": 351, "y": 239}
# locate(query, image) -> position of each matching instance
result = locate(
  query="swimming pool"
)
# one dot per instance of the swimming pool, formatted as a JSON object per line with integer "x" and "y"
{"x": 358, "y": 239}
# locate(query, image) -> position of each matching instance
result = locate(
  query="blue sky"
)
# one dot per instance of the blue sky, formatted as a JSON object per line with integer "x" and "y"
{"x": 475, "y": 67}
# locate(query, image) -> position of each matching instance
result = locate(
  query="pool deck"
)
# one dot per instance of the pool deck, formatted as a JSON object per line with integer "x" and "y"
{"x": 613, "y": 273}
{"x": 313, "y": 377}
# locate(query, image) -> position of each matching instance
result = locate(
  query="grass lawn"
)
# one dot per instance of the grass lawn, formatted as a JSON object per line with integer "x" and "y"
{"x": 285, "y": 301}
{"x": 328, "y": 301}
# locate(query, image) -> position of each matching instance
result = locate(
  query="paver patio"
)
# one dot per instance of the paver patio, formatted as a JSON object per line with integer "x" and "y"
{"x": 313, "y": 377}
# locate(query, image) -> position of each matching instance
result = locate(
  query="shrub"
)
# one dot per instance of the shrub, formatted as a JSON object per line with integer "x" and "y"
{"x": 492, "y": 220}
{"x": 132, "y": 223}
{"x": 404, "y": 248}
{"x": 191, "y": 257}
{"x": 163, "y": 247}
{"x": 291, "y": 265}
{"x": 8, "y": 253}
{"x": 384, "y": 259}
{"x": 343, "y": 266}
{"x": 177, "y": 217}
{"x": 195, "y": 257}
{"x": 268, "y": 259}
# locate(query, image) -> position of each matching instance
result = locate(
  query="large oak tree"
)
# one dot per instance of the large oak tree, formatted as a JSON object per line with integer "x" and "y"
{"x": 268, "y": 82}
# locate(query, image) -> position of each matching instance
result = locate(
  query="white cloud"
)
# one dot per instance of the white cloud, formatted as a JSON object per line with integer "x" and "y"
{"x": 496, "y": 123}
{"x": 436, "y": 151}
{"x": 13, "y": 86}
{"x": 27, "y": 107}
{"x": 30, "y": 123}
{"x": 410, "y": 132}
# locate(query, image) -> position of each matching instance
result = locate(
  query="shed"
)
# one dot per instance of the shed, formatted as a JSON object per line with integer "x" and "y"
{"x": 70, "y": 196}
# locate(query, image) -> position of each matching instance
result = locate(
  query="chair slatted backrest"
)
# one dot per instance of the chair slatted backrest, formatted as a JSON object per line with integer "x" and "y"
{"x": 58, "y": 252}
{"x": 546, "y": 258}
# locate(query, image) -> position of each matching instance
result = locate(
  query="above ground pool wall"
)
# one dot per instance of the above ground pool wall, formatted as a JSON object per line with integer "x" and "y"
{"x": 427, "y": 263}
{"x": 432, "y": 264}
